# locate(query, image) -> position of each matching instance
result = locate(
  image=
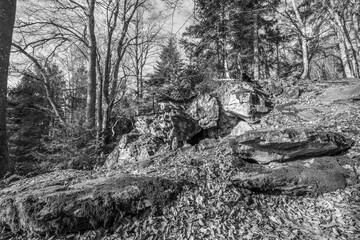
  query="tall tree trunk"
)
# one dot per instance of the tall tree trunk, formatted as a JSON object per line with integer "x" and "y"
{"x": 99, "y": 103}
{"x": 7, "y": 18}
{"x": 137, "y": 56}
{"x": 354, "y": 51}
{"x": 91, "y": 81}
{"x": 353, "y": 48}
{"x": 305, "y": 58}
{"x": 345, "y": 42}
{"x": 218, "y": 48}
{"x": 225, "y": 19}
{"x": 304, "y": 43}
{"x": 256, "y": 48}
{"x": 277, "y": 61}
{"x": 344, "y": 58}
{"x": 113, "y": 21}
{"x": 355, "y": 33}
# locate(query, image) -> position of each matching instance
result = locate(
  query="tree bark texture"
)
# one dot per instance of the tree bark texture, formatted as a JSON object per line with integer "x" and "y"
{"x": 344, "y": 58}
{"x": 256, "y": 49}
{"x": 91, "y": 84}
{"x": 345, "y": 43}
{"x": 304, "y": 43}
{"x": 99, "y": 103}
{"x": 7, "y": 18}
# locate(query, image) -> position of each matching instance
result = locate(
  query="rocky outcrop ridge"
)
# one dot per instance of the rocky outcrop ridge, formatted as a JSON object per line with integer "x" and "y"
{"x": 237, "y": 177}
{"x": 213, "y": 115}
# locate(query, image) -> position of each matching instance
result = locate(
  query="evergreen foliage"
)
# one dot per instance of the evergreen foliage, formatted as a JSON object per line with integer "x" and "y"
{"x": 169, "y": 67}
{"x": 28, "y": 120}
{"x": 225, "y": 32}
{"x": 37, "y": 140}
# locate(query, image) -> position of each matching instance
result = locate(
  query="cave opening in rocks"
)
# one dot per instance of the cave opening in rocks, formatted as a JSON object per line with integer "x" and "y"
{"x": 197, "y": 138}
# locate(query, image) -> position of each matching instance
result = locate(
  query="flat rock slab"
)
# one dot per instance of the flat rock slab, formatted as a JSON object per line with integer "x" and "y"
{"x": 61, "y": 205}
{"x": 287, "y": 145}
{"x": 339, "y": 93}
{"x": 312, "y": 176}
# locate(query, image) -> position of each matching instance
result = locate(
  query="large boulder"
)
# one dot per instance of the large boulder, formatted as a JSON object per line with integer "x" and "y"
{"x": 55, "y": 204}
{"x": 288, "y": 144}
{"x": 134, "y": 147}
{"x": 243, "y": 100}
{"x": 171, "y": 124}
{"x": 205, "y": 110}
{"x": 311, "y": 176}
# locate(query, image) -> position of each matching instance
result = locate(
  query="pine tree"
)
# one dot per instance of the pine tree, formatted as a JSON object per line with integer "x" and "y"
{"x": 28, "y": 120}
{"x": 169, "y": 67}
{"x": 229, "y": 36}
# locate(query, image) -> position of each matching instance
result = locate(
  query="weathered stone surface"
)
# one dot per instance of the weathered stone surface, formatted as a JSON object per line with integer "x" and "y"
{"x": 207, "y": 144}
{"x": 205, "y": 110}
{"x": 226, "y": 124}
{"x": 339, "y": 93}
{"x": 243, "y": 100}
{"x": 53, "y": 205}
{"x": 241, "y": 128}
{"x": 292, "y": 92}
{"x": 171, "y": 124}
{"x": 311, "y": 176}
{"x": 304, "y": 112}
{"x": 287, "y": 145}
{"x": 275, "y": 89}
{"x": 134, "y": 147}
{"x": 272, "y": 87}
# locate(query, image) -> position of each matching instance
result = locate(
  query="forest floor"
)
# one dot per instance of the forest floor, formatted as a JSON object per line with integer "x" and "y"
{"x": 212, "y": 208}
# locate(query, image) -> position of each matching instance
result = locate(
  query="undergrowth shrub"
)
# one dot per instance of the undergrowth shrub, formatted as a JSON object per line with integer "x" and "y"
{"x": 75, "y": 151}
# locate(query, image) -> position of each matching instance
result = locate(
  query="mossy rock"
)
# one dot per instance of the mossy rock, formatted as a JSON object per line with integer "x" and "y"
{"x": 59, "y": 208}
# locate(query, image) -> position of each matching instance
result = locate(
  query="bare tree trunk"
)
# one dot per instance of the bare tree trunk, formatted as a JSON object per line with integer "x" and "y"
{"x": 122, "y": 44}
{"x": 7, "y": 18}
{"x": 137, "y": 57}
{"x": 305, "y": 55}
{"x": 304, "y": 43}
{"x": 218, "y": 48}
{"x": 256, "y": 48}
{"x": 344, "y": 58}
{"x": 91, "y": 84}
{"x": 277, "y": 61}
{"x": 354, "y": 51}
{"x": 225, "y": 19}
{"x": 343, "y": 30}
{"x": 344, "y": 43}
{"x": 356, "y": 32}
{"x": 99, "y": 115}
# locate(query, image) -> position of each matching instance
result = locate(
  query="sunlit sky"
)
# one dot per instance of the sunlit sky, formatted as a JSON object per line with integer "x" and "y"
{"x": 183, "y": 17}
